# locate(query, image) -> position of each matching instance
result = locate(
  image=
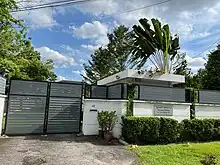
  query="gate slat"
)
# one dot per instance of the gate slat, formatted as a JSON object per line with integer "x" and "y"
{"x": 64, "y": 115}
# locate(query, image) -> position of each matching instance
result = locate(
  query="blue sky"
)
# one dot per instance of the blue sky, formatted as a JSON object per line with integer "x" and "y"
{"x": 68, "y": 35}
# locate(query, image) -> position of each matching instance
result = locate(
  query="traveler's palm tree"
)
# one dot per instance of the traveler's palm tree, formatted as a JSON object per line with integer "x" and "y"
{"x": 155, "y": 44}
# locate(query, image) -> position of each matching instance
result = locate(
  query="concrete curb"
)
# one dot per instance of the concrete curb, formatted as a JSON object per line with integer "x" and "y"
{"x": 123, "y": 142}
{"x": 4, "y": 137}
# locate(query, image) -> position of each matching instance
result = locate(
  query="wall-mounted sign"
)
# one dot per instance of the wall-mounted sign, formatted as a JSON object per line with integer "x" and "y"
{"x": 163, "y": 110}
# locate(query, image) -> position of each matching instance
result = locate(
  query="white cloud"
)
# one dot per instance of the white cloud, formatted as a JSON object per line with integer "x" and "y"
{"x": 77, "y": 72}
{"x": 71, "y": 51}
{"x": 82, "y": 61}
{"x": 195, "y": 63}
{"x": 41, "y": 18}
{"x": 191, "y": 19}
{"x": 90, "y": 47}
{"x": 80, "y": 55}
{"x": 95, "y": 31}
{"x": 59, "y": 59}
{"x": 90, "y": 30}
{"x": 60, "y": 78}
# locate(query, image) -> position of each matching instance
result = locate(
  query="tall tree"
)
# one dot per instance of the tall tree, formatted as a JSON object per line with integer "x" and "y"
{"x": 210, "y": 78}
{"x": 6, "y": 19}
{"x": 156, "y": 44}
{"x": 120, "y": 42}
{"x": 99, "y": 66}
{"x": 18, "y": 58}
{"x": 112, "y": 58}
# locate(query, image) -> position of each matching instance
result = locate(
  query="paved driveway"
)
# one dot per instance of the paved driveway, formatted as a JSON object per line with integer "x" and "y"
{"x": 62, "y": 150}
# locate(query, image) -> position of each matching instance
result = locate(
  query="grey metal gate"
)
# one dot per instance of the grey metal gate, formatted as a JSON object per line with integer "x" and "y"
{"x": 64, "y": 108}
{"x": 43, "y": 107}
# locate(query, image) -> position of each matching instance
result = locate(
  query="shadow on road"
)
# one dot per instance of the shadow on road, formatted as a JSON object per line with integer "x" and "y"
{"x": 73, "y": 138}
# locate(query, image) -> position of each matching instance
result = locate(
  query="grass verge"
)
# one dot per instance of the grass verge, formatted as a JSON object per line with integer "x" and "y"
{"x": 176, "y": 154}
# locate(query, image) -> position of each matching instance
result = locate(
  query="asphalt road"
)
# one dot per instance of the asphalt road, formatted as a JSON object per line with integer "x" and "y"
{"x": 62, "y": 150}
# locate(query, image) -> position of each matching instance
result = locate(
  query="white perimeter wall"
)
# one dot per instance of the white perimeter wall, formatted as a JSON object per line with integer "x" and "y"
{"x": 181, "y": 111}
{"x": 2, "y": 105}
{"x": 90, "y": 123}
{"x": 205, "y": 111}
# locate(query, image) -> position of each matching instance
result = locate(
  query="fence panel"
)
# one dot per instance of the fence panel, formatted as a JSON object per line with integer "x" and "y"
{"x": 64, "y": 108}
{"x": 212, "y": 97}
{"x": 35, "y": 88}
{"x": 99, "y": 92}
{"x": 66, "y": 90}
{"x": 161, "y": 94}
{"x": 64, "y": 115}
{"x": 178, "y": 94}
{"x": 26, "y": 107}
{"x": 118, "y": 91}
{"x": 115, "y": 92}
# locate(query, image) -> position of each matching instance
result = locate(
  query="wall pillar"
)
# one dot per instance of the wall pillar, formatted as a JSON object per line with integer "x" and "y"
{"x": 90, "y": 114}
{"x": 2, "y": 108}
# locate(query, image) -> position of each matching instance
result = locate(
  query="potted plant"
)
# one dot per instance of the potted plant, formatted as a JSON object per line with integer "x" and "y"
{"x": 107, "y": 121}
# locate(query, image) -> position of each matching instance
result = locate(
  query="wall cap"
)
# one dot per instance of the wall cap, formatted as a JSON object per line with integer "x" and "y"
{"x": 210, "y": 105}
{"x": 161, "y": 102}
{"x": 105, "y": 100}
{"x": 3, "y": 96}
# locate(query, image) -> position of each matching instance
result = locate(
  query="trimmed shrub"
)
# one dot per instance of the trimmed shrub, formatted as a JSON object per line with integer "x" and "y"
{"x": 169, "y": 130}
{"x": 131, "y": 130}
{"x": 150, "y": 130}
{"x": 154, "y": 130}
{"x": 201, "y": 130}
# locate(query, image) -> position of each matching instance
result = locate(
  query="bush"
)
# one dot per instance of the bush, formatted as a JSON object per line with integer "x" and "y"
{"x": 131, "y": 129}
{"x": 201, "y": 130}
{"x": 154, "y": 130}
{"x": 209, "y": 160}
{"x": 150, "y": 130}
{"x": 169, "y": 130}
{"x": 107, "y": 120}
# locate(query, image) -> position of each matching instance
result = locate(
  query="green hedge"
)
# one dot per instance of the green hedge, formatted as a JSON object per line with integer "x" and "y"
{"x": 201, "y": 130}
{"x": 150, "y": 130}
{"x": 153, "y": 130}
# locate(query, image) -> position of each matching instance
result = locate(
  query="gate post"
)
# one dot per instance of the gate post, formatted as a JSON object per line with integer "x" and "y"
{"x": 6, "y": 107}
{"x": 47, "y": 108}
{"x": 2, "y": 115}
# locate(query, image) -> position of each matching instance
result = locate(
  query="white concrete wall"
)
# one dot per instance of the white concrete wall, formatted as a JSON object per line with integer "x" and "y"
{"x": 181, "y": 111}
{"x": 203, "y": 111}
{"x": 90, "y": 123}
{"x": 2, "y": 106}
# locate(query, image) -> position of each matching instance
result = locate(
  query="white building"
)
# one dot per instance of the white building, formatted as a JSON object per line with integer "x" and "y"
{"x": 156, "y": 97}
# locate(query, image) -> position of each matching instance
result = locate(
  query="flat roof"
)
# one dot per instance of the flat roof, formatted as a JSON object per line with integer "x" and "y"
{"x": 141, "y": 75}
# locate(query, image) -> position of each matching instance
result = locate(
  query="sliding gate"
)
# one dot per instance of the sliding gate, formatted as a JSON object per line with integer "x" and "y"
{"x": 36, "y": 107}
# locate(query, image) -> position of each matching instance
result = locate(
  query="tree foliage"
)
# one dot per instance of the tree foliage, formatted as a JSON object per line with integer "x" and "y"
{"x": 6, "y": 19}
{"x": 111, "y": 59}
{"x": 148, "y": 41}
{"x": 210, "y": 78}
{"x": 18, "y": 58}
